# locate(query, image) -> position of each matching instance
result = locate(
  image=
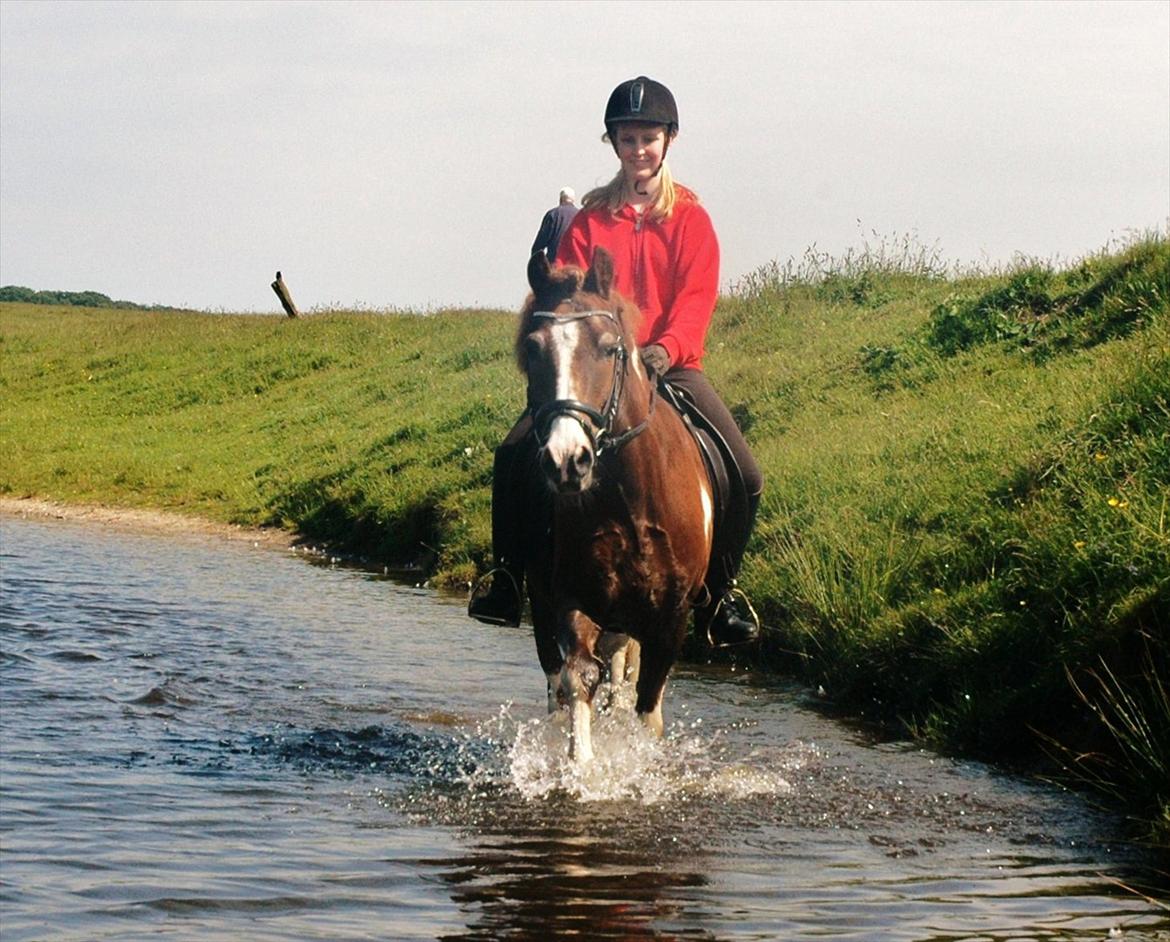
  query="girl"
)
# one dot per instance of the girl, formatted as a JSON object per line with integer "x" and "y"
{"x": 666, "y": 260}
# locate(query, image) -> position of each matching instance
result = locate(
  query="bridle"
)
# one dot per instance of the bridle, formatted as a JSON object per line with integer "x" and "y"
{"x": 603, "y": 439}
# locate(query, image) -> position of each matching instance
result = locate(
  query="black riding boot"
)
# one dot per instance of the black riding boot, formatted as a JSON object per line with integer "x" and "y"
{"x": 501, "y": 601}
{"x": 724, "y": 619}
{"x": 728, "y": 626}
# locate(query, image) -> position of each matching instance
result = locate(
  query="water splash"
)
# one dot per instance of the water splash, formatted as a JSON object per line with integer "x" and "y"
{"x": 630, "y": 763}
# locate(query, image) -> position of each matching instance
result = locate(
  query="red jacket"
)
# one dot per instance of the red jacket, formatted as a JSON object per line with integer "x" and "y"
{"x": 669, "y": 269}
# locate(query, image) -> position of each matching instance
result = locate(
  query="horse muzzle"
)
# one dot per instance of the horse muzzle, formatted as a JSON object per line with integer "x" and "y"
{"x": 568, "y": 457}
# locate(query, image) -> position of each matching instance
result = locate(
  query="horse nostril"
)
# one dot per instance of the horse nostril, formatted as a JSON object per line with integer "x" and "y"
{"x": 584, "y": 461}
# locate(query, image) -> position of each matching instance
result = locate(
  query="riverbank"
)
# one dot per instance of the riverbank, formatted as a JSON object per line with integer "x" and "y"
{"x": 149, "y": 521}
{"x": 964, "y": 529}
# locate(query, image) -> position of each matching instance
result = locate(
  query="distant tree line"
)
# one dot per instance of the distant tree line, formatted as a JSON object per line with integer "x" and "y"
{"x": 72, "y": 298}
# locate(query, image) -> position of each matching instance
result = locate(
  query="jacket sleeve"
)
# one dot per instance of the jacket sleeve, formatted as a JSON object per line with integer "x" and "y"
{"x": 543, "y": 235}
{"x": 696, "y": 279}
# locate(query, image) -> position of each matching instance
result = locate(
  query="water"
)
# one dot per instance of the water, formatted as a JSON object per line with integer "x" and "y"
{"x": 201, "y": 740}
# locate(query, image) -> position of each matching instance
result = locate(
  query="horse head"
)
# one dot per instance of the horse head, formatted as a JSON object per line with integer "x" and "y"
{"x": 576, "y": 345}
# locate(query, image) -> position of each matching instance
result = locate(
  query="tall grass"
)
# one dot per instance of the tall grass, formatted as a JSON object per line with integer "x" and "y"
{"x": 1131, "y": 708}
{"x": 967, "y": 472}
{"x": 967, "y": 487}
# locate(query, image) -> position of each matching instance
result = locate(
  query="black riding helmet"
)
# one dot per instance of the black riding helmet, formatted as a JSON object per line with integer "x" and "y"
{"x": 642, "y": 100}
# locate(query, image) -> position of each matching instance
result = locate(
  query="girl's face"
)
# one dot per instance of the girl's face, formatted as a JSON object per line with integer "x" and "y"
{"x": 640, "y": 148}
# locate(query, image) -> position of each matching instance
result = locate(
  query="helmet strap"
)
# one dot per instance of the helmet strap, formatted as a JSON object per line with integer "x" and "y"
{"x": 665, "y": 148}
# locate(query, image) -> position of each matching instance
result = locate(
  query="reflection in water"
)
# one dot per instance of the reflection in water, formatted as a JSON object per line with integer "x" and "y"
{"x": 558, "y": 851}
{"x": 220, "y": 743}
{"x": 541, "y": 885}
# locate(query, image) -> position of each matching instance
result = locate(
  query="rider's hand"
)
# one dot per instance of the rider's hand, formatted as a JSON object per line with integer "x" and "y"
{"x": 655, "y": 358}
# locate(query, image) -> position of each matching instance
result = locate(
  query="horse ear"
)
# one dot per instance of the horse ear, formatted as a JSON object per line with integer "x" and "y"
{"x": 538, "y": 273}
{"x": 600, "y": 278}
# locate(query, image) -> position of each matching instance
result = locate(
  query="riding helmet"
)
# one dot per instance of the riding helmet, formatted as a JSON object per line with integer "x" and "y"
{"x": 643, "y": 100}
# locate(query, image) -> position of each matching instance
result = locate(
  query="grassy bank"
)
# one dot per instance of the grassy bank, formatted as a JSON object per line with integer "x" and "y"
{"x": 965, "y": 524}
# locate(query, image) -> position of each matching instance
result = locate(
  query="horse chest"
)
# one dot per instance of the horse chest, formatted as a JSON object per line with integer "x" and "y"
{"x": 630, "y": 567}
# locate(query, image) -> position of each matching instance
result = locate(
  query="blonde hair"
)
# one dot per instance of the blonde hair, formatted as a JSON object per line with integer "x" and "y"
{"x": 612, "y": 195}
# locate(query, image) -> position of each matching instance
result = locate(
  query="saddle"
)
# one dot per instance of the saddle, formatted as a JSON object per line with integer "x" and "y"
{"x": 730, "y": 495}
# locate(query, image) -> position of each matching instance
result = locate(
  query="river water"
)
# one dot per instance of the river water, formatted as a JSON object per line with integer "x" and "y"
{"x": 210, "y": 740}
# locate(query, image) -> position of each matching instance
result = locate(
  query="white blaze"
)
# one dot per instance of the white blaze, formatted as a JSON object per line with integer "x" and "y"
{"x": 566, "y": 436}
{"x": 565, "y": 338}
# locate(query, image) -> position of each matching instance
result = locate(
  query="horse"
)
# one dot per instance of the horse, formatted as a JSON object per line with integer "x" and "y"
{"x": 630, "y": 503}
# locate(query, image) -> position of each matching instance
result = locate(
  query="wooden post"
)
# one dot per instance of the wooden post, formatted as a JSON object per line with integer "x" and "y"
{"x": 286, "y": 300}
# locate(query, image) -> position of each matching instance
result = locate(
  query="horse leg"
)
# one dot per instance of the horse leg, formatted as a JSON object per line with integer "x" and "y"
{"x": 617, "y": 666}
{"x": 624, "y": 662}
{"x": 619, "y": 658}
{"x": 656, "y": 661}
{"x": 616, "y": 651}
{"x": 580, "y": 677}
{"x": 633, "y": 652}
{"x": 547, "y": 649}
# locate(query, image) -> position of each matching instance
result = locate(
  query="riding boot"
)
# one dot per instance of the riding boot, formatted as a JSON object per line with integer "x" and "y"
{"x": 728, "y": 626}
{"x": 501, "y": 602}
{"x": 724, "y": 618}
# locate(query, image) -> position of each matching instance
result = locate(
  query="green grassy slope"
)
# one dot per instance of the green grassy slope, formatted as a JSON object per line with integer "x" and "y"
{"x": 965, "y": 523}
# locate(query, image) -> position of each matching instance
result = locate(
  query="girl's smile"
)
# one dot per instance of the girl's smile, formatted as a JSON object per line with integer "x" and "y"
{"x": 640, "y": 149}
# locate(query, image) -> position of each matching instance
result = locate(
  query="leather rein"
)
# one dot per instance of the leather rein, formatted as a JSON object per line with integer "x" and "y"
{"x": 603, "y": 438}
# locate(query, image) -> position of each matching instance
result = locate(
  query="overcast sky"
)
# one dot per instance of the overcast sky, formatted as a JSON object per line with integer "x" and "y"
{"x": 400, "y": 154}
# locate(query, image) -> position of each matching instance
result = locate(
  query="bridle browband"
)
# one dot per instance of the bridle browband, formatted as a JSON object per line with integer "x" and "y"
{"x": 603, "y": 438}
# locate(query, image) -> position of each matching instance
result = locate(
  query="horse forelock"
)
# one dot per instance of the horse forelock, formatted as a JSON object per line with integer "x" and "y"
{"x": 562, "y": 284}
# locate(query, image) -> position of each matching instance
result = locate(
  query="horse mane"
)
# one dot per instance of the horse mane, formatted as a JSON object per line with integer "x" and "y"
{"x": 567, "y": 283}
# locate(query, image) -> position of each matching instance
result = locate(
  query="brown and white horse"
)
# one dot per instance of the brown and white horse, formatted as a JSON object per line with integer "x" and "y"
{"x": 631, "y": 506}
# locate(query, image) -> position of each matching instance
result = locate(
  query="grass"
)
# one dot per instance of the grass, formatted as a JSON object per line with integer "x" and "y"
{"x": 964, "y": 530}
{"x": 371, "y": 432}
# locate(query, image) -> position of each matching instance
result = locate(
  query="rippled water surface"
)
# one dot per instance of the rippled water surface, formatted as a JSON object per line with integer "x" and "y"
{"x": 201, "y": 740}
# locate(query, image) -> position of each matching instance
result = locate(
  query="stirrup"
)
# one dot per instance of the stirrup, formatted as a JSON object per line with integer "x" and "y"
{"x": 737, "y": 592}
{"x": 477, "y": 593}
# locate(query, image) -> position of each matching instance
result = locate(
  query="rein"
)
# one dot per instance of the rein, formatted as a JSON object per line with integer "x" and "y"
{"x": 603, "y": 439}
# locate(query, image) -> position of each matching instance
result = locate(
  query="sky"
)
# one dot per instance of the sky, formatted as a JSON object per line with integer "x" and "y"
{"x": 401, "y": 155}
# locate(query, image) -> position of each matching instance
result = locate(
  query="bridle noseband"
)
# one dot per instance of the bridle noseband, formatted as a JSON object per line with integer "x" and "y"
{"x": 603, "y": 438}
